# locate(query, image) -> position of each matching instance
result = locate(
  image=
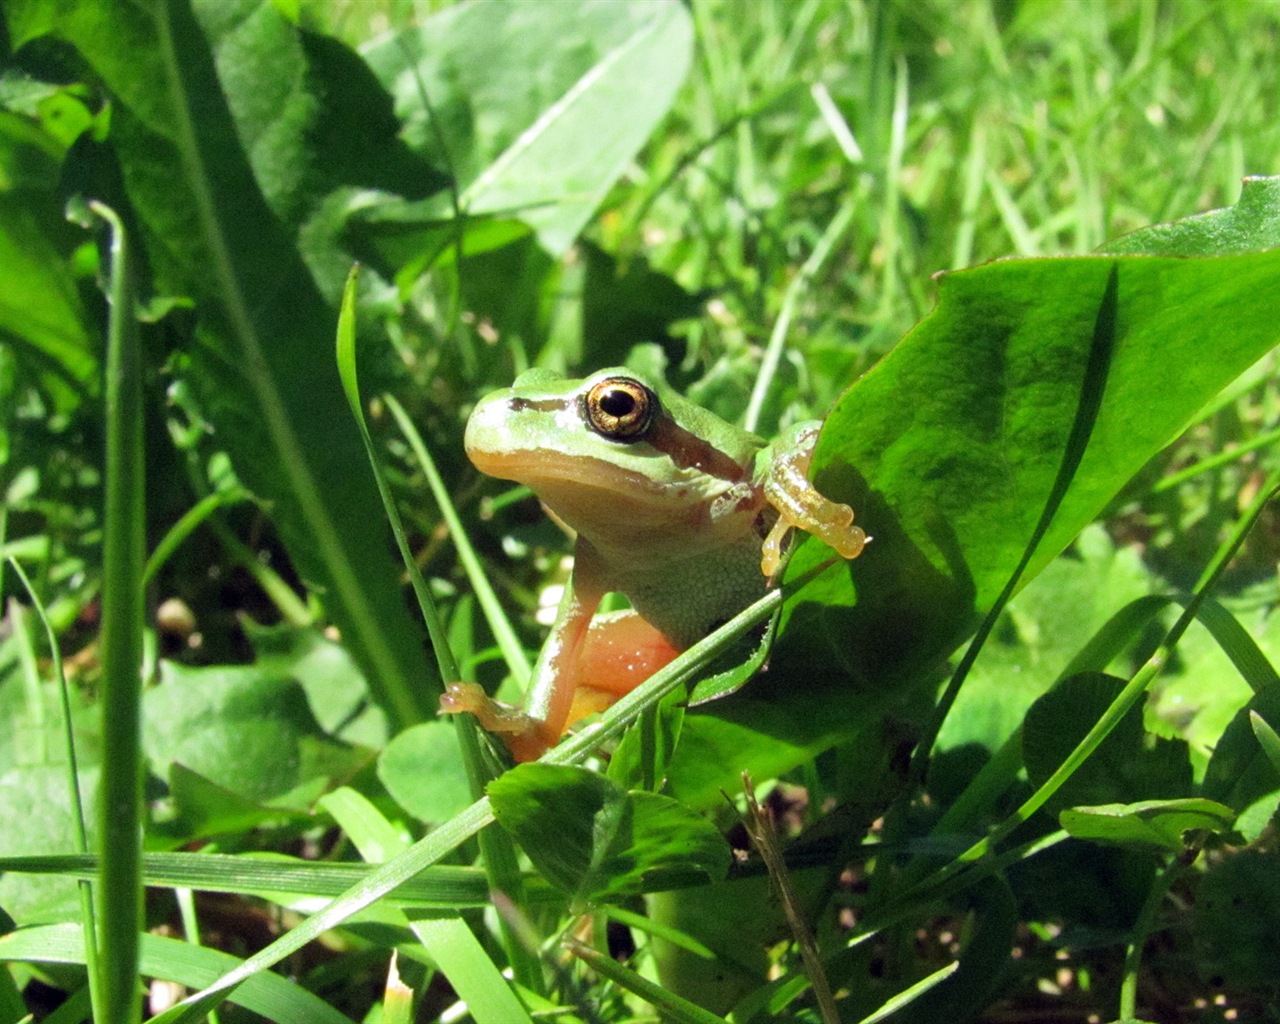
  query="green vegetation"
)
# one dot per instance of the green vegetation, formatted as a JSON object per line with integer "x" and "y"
{"x": 1022, "y": 756}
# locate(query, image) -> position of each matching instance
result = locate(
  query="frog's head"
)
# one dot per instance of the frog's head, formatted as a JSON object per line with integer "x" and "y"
{"x": 608, "y": 449}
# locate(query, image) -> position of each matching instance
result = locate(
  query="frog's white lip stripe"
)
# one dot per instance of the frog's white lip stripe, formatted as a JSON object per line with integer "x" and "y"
{"x": 586, "y": 471}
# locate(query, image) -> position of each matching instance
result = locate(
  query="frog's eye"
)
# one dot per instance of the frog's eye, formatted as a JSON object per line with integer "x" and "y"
{"x": 620, "y": 408}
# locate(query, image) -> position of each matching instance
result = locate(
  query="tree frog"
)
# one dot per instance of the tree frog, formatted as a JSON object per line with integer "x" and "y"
{"x": 678, "y": 510}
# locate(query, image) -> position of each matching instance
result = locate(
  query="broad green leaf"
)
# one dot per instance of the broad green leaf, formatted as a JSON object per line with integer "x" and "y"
{"x": 203, "y": 809}
{"x": 422, "y": 772}
{"x": 200, "y": 170}
{"x": 1161, "y": 823}
{"x": 275, "y": 998}
{"x": 41, "y": 314}
{"x": 334, "y": 685}
{"x": 948, "y": 451}
{"x": 595, "y": 841}
{"x": 35, "y": 818}
{"x": 1127, "y": 766}
{"x": 544, "y": 147}
{"x": 244, "y": 728}
{"x": 1252, "y": 225}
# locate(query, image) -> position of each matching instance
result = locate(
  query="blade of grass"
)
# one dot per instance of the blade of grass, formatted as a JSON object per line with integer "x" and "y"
{"x": 33, "y": 697}
{"x": 291, "y": 607}
{"x": 495, "y": 846}
{"x": 891, "y": 218}
{"x": 1224, "y": 458}
{"x": 187, "y": 525}
{"x": 1267, "y": 738}
{"x": 280, "y": 879}
{"x": 672, "y": 1006}
{"x": 273, "y": 997}
{"x": 123, "y": 609}
{"x": 1142, "y": 927}
{"x": 512, "y": 650}
{"x": 79, "y": 832}
{"x": 777, "y": 338}
{"x": 370, "y": 888}
{"x": 909, "y": 995}
{"x": 995, "y": 777}
{"x": 397, "y": 997}
{"x": 444, "y": 935}
{"x": 185, "y": 899}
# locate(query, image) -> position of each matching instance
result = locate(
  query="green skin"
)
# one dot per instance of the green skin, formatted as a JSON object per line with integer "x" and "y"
{"x": 670, "y": 504}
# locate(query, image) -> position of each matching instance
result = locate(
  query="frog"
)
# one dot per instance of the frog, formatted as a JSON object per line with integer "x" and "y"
{"x": 673, "y": 507}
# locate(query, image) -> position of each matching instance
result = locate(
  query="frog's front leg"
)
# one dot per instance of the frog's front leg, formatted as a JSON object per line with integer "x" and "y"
{"x": 787, "y": 489}
{"x": 531, "y": 732}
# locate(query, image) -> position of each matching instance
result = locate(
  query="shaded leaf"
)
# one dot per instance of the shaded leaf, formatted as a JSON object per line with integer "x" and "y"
{"x": 245, "y": 729}
{"x": 41, "y": 314}
{"x": 35, "y": 818}
{"x": 422, "y": 771}
{"x": 203, "y": 809}
{"x": 1128, "y": 765}
{"x": 1237, "y": 917}
{"x": 1240, "y": 772}
{"x": 595, "y": 841}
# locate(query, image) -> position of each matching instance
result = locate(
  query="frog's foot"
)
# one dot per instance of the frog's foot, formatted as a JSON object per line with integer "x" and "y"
{"x": 800, "y": 506}
{"x": 521, "y": 734}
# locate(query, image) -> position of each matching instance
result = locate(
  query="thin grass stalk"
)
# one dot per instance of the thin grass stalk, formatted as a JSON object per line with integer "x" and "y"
{"x": 508, "y": 643}
{"x": 79, "y": 832}
{"x": 773, "y": 351}
{"x": 123, "y": 559}
{"x": 496, "y": 847}
{"x": 1164, "y": 880}
{"x": 185, "y": 898}
{"x": 33, "y": 697}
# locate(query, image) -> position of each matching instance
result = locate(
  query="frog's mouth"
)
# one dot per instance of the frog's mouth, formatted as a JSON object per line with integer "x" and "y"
{"x": 590, "y": 477}
{"x": 601, "y": 499}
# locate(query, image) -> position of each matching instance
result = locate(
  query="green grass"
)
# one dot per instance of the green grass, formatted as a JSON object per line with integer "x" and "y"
{"x": 764, "y": 230}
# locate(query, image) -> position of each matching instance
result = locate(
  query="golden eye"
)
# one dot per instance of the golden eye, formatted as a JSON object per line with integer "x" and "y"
{"x": 620, "y": 408}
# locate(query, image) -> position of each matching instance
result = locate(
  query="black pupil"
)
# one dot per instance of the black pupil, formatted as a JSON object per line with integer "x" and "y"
{"x": 618, "y": 403}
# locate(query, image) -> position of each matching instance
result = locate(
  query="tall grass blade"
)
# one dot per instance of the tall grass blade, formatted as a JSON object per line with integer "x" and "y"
{"x": 123, "y": 558}
{"x": 80, "y": 833}
{"x": 499, "y": 853}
